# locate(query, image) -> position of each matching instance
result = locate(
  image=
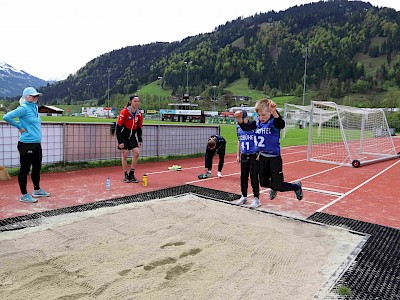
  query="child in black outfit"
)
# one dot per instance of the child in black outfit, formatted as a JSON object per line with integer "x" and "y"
{"x": 247, "y": 155}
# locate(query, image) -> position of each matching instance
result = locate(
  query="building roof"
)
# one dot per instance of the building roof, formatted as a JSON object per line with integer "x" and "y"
{"x": 52, "y": 108}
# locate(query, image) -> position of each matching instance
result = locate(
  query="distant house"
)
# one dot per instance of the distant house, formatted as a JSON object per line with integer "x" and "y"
{"x": 48, "y": 110}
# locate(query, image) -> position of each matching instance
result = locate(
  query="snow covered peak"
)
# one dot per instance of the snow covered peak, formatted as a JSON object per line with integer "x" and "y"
{"x": 6, "y": 68}
{"x": 13, "y": 81}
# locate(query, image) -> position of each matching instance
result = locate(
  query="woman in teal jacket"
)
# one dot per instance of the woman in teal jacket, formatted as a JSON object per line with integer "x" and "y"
{"x": 29, "y": 144}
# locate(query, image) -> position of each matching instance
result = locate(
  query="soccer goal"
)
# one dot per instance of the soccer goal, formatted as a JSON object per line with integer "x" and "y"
{"x": 348, "y": 136}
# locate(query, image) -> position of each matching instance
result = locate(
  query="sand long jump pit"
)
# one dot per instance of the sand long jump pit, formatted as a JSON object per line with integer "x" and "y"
{"x": 183, "y": 247}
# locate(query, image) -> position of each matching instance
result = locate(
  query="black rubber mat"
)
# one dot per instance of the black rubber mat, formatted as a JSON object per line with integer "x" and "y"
{"x": 36, "y": 219}
{"x": 375, "y": 273}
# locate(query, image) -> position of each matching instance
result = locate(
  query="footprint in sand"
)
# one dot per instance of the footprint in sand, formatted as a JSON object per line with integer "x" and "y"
{"x": 177, "y": 271}
{"x": 173, "y": 244}
{"x": 174, "y": 271}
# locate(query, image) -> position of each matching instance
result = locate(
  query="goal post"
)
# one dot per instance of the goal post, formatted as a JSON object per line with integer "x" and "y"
{"x": 348, "y": 136}
{"x": 296, "y": 117}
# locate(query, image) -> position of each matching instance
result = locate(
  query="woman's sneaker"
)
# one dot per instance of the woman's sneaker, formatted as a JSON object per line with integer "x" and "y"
{"x": 299, "y": 191}
{"x": 40, "y": 193}
{"x": 27, "y": 199}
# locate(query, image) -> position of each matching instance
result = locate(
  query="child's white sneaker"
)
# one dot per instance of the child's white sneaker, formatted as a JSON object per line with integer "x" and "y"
{"x": 241, "y": 201}
{"x": 219, "y": 174}
{"x": 255, "y": 203}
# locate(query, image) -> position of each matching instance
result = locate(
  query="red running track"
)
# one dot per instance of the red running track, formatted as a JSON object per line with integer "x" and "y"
{"x": 369, "y": 193}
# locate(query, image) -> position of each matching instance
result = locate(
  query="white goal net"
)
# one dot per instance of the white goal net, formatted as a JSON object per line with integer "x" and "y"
{"x": 348, "y": 136}
{"x": 298, "y": 117}
{"x": 295, "y": 116}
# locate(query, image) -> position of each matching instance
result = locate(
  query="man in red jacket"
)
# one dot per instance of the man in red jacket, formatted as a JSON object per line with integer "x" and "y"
{"x": 130, "y": 121}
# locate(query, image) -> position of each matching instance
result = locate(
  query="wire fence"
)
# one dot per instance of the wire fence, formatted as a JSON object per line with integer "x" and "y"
{"x": 80, "y": 142}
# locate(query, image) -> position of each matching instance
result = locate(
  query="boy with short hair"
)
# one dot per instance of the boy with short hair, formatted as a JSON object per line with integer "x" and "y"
{"x": 267, "y": 130}
{"x": 247, "y": 155}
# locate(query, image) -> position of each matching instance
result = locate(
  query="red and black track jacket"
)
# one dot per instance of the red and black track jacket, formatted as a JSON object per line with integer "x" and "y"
{"x": 128, "y": 124}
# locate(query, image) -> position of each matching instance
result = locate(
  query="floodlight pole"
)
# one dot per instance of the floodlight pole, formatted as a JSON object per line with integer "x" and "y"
{"x": 187, "y": 76}
{"x": 88, "y": 84}
{"x": 108, "y": 92}
{"x": 305, "y": 74}
{"x": 159, "y": 100}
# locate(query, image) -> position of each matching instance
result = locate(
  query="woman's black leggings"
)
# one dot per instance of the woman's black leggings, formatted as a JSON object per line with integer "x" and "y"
{"x": 30, "y": 155}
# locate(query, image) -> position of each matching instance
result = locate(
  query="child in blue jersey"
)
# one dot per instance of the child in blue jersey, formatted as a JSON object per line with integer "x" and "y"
{"x": 267, "y": 131}
{"x": 29, "y": 144}
{"x": 247, "y": 155}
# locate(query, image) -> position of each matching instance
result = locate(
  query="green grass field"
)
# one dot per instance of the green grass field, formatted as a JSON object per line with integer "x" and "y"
{"x": 228, "y": 131}
{"x": 294, "y": 137}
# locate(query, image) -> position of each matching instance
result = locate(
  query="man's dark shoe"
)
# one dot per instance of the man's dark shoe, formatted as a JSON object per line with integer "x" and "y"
{"x": 132, "y": 177}
{"x": 126, "y": 178}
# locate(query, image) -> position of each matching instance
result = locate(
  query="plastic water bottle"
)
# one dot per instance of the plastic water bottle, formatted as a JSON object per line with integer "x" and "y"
{"x": 108, "y": 184}
{"x": 145, "y": 180}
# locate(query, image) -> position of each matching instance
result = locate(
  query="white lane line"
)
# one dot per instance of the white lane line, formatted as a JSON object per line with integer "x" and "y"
{"x": 310, "y": 189}
{"x": 330, "y": 186}
{"x": 315, "y": 174}
{"x": 291, "y": 199}
{"x": 291, "y": 147}
{"x": 234, "y": 174}
{"x": 357, "y": 187}
{"x": 293, "y": 162}
{"x": 189, "y": 168}
{"x": 294, "y": 152}
{"x": 267, "y": 190}
{"x": 311, "y": 202}
{"x": 325, "y": 192}
{"x": 210, "y": 178}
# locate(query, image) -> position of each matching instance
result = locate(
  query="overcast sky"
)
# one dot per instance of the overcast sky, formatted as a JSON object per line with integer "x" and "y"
{"x": 51, "y": 39}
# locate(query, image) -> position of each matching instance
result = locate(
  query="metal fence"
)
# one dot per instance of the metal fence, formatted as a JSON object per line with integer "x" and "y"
{"x": 79, "y": 142}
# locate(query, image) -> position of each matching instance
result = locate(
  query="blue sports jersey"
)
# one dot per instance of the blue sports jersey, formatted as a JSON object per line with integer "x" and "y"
{"x": 247, "y": 141}
{"x": 268, "y": 138}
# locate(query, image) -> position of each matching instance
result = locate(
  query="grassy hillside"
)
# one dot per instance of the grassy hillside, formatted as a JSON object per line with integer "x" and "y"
{"x": 371, "y": 65}
{"x": 240, "y": 87}
{"x": 153, "y": 91}
{"x": 154, "y": 88}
